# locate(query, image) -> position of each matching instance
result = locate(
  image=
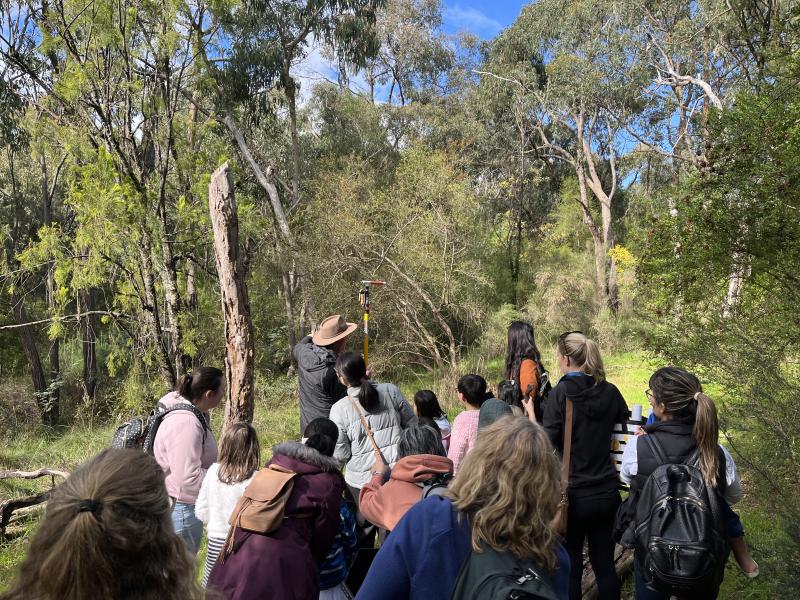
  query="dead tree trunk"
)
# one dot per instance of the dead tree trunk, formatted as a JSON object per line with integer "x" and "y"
{"x": 239, "y": 360}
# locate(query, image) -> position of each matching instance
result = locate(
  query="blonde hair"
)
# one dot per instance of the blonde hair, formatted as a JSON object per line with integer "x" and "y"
{"x": 508, "y": 488}
{"x": 681, "y": 395}
{"x": 107, "y": 533}
{"x": 583, "y": 352}
{"x": 239, "y": 453}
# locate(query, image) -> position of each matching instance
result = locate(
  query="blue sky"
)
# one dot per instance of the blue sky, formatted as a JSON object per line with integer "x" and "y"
{"x": 484, "y": 18}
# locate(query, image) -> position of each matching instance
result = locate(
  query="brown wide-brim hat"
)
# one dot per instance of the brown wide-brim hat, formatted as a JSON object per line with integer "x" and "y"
{"x": 331, "y": 330}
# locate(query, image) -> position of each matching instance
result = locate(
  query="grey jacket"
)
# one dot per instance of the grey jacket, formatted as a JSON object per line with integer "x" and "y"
{"x": 319, "y": 385}
{"x": 354, "y": 447}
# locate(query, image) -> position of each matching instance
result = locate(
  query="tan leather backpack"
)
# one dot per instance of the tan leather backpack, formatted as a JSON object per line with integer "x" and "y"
{"x": 261, "y": 507}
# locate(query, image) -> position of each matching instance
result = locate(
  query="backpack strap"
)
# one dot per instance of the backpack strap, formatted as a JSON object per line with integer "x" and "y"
{"x": 567, "y": 451}
{"x": 192, "y": 409}
{"x": 694, "y": 459}
{"x": 656, "y": 449}
{"x": 367, "y": 430}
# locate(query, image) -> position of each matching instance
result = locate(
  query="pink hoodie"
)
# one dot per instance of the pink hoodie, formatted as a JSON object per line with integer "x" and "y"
{"x": 180, "y": 451}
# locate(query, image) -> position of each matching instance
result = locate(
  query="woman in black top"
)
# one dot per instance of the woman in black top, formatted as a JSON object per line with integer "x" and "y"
{"x": 593, "y": 483}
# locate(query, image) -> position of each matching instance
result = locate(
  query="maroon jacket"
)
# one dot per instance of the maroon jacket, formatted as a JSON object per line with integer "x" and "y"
{"x": 284, "y": 564}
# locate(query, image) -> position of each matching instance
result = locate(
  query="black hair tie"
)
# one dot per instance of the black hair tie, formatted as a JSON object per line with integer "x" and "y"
{"x": 89, "y": 505}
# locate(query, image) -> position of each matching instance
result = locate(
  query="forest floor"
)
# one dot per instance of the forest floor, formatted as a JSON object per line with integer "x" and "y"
{"x": 277, "y": 418}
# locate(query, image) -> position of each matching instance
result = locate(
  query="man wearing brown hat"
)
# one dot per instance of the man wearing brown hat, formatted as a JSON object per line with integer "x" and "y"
{"x": 316, "y": 362}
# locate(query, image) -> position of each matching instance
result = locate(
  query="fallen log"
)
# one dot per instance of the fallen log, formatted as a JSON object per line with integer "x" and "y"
{"x": 33, "y": 474}
{"x": 7, "y": 507}
{"x": 623, "y": 561}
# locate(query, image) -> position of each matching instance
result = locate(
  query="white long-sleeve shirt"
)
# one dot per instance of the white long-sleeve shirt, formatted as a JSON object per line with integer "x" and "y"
{"x": 216, "y": 502}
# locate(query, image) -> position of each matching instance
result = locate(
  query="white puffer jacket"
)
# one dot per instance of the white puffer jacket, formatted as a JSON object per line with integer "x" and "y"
{"x": 386, "y": 423}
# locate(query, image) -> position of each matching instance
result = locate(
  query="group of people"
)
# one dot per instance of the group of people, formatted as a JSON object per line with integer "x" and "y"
{"x": 372, "y": 468}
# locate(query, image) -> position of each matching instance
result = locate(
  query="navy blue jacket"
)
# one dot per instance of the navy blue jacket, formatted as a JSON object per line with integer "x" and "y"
{"x": 421, "y": 558}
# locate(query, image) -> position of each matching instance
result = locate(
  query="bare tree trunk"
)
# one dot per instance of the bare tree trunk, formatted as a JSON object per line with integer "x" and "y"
{"x": 89, "y": 333}
{"x": 240, "y": 351}
{"x": 53, "y": 353}
{"x": 599, "y": 252}
{"x": 288, "y": 301}
{"x": 612, "y": 291}
{"x": 264, "y": 179}
{"x": 290, "y": 89}
{"x": 740, "y": 271}
{"x": 151, "y": 313}
{"x": 31, "y": 353}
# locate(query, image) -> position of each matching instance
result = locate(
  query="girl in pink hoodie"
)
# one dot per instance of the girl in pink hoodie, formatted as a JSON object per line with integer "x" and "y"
{"x": 185, "y": 446}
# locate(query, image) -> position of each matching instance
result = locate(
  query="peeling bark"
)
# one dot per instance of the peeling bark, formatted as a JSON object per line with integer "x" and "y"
{"x": 240, "y": 351}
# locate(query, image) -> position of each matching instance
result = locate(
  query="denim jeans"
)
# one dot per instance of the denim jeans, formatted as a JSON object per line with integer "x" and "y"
{"x": 188, "y": 527}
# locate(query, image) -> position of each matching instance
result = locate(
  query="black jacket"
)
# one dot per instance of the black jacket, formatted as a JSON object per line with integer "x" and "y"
{"x": 597, "y": 407}
{"x": 319, "y": 385}
{"x": 678, "y": 445}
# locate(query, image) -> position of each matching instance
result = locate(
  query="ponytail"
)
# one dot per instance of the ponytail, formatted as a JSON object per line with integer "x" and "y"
{"x": 352, "y": 368}
{"x": 322, "y": 444}
{"x": 185, "y": 386}
{"x": 593, "y": 362}
{"x": 682, "y": 397}
{"x": 106, "y": 532}
{"x": 322, "y": 435}
{"x": 706, "y": 434}
{"x": 584, "y": 352}
{"x": 195, "y": 383}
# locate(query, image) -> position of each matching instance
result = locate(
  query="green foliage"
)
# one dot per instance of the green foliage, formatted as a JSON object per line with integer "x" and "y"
{"x": 740, "y": 220}
{"x": 417, "y": 232}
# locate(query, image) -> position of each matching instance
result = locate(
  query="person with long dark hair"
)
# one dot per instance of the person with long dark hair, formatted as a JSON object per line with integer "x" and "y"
{"x": 369, "y": 411}
{"x": 686, "y": 424}
{"x": 523, "y": 360}
{"x": 426, "y": 404}
{"x": 185, "y": 446}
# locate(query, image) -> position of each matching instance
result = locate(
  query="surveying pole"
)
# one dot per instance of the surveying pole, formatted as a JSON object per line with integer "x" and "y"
{"x": 363, "y": 298}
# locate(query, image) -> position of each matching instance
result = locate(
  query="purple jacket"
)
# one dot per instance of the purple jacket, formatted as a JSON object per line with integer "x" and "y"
{"x": 284, "y": 564}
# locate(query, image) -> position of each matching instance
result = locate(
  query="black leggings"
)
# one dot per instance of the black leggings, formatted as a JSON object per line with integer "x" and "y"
{"x": 592, "y": 517}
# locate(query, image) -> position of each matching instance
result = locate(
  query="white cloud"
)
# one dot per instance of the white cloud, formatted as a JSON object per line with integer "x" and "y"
{"x": 471, "y": 19}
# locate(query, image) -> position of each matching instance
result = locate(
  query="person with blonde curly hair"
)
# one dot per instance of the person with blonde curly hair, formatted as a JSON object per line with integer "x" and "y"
{"x": 503, "y": 497}
{"x": 107, "y": 533}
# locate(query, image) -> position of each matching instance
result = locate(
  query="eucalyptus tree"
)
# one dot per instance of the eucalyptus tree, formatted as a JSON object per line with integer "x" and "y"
{"x": 413, "y": 55}
{"x": 118, "y": 73}
{"x": 566, "y": 61}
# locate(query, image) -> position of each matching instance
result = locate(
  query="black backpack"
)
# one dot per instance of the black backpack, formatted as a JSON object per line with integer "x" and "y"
{"x": 543, "y": 379}
{"x": 680, "y": 537}
{"x": 436, "y": 485}
{"x": 140, "y": 432}
{"x": 493, "y": 575}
